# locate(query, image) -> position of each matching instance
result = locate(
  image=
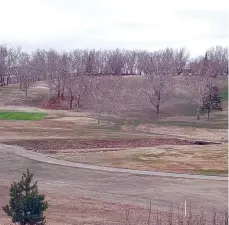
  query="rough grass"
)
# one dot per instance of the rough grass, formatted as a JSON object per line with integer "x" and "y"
{"x": 210, "y": 124}
{"x": 211, "y": 172}
{"x": 194, "y": 159}
{"x": 11, "y": 115}
{"x": 216, "y": 121}
{"x": 224, "y": 93}
{"x": 55, "y": 129}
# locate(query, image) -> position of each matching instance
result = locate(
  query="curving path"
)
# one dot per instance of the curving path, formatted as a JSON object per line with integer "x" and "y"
{"x": 46, "y": 159}
{"x": 118, "y": 185}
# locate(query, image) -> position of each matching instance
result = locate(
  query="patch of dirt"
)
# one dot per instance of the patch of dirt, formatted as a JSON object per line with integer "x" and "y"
{"x": 55, "y": 144}
{"x": 79, "y": 120}
{"x": 20, "y": 108}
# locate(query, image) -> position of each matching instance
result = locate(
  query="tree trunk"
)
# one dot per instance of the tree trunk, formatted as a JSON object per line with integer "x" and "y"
{"x": 77, "y": 105}
{"x": 20, "y": 85}
{"x": 71, "y": 101}
{"x": 198, "y": 113}
{"x": 50, "y": 96}
{"x": 62, "y": 93}
{"x": 158, "y": 109}
{"x": 2, "y": 81}
{"x": 208, "y": 114}
{"x": 58, "y": 93}
{"x": 26, "y": 93}
{"x": 98, "y": 113}
{"x": 7, "y": 80}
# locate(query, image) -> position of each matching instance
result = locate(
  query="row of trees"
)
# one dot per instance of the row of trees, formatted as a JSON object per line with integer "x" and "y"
{"x": 103, "y": 62}
{"x": 76, "y": 74}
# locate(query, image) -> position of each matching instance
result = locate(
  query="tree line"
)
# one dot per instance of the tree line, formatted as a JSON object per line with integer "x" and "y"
{"x": 75, "y": 74}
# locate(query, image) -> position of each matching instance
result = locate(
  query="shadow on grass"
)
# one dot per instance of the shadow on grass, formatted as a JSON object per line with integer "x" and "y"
{"x": 212, "y": 172}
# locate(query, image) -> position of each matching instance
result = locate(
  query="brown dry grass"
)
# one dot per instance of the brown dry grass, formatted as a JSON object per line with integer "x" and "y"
{"x": 66, "y": 210}
{"x": 12, "y": 95}
{"x": 184, "y": 132}
{"x": 76, "y": 128}
{"x": 197, "y": 159}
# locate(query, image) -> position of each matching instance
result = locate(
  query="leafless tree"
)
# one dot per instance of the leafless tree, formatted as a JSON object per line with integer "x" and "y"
{"x": 56, "y": 71}
{"x": 90, "y": 62}
{"x": 158, "y": 68}
{"x": 76, "y": 80}
{"x": 39, "y": 64}
{"x": 116, "y": 61}
{"x": 52, "y": 76}
{"x": 197, "y": 84}
{"x": 12, "y": 62}
{"x": 26, "y": 72}
{"x": 106, "y": 96}
{"x": 9, "y": 57}
{"x": 144, "y": 62}
{"x": 181, "y": 57}
{"x": 219, "y": 57}
{"x": 130, "y": 59}
{"x": 3, "y": 63}
{"x": 64, "y": 68}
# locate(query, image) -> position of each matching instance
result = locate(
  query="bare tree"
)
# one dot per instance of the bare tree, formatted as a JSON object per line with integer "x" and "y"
{"x": 76, "y": 80}
{"x": 219, "y": 57}
{"x": 3, "y": 66}
{"x": 197, "y": 88}
{"x": 52, "y": 58}
{"x": 158, "y": 68}
{"x": 198, "y": 83}
{"x": 39, "y": 64}
{"x": 26, "y": 72}
{"x": 181, "y": 57}
{"x": 13, "y": 55}
{"x": 116, "y": 61}
{"x": 90, "y": 60}
{"x": 64, "y": 68}
{"x": 101, "y": 62}
{"x": 130, "y": 59}
{"x": 105, "y": 93}
{"x": 56, "y": 71}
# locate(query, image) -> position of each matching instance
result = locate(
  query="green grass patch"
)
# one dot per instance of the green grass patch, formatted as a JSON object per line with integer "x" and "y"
{"x": 11, "y": 115}
{"x": 186, "y": 109}
{"x": 210, "y": 124}
{"x": 217, "y": 122}
{"x": 211, "y": 172}
{"x": 224, "y": 93}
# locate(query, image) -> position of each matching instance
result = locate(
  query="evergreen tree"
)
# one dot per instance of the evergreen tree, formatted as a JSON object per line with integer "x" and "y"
{"x": 89, "y": 69}
{"x": 26, "y": 205}
{"x": 212, "y": 100}
{"x": 205, "y": 64}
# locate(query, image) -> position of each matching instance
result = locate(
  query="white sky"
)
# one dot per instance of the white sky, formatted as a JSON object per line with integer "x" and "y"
{"x": 130, "y": 24}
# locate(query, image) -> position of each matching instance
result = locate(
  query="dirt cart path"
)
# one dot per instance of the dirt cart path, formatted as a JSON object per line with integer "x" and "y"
{"x": 124, "y": 187}
{"x": 46, "y": 159}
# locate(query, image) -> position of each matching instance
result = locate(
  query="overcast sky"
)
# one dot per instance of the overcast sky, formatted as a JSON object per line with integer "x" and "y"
{"x": 130, "y": 24}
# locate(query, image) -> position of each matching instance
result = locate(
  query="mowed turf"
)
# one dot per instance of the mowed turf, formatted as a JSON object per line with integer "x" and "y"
{"x": 10, "y": 115}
